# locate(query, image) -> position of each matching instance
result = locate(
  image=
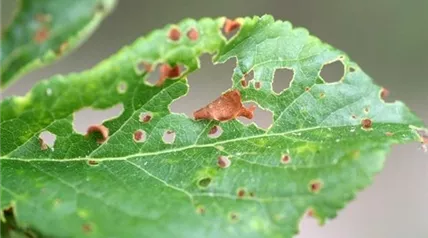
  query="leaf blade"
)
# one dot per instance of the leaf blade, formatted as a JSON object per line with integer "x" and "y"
{"x": 331, "y": 154}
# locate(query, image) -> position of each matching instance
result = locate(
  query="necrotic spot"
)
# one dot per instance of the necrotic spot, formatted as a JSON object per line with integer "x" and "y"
{"x": 223, "y": 162}
{"x": 139, "y": 136}
{"x": 215, "y": 132}
{"x": 193, "y": 34}
{"x": 285, "y": 159}
{"x": 366, "y": 124}
{"x": 145, "y": 117}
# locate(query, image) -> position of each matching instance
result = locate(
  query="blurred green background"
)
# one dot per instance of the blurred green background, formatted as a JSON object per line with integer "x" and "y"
{"x": 387, "y": 38}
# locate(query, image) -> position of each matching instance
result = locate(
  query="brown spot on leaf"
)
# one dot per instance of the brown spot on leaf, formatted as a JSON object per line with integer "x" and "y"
{"x": 315, "y": 186}
{"x": 366, "y": 124}
{"x": 41, "y": 35}
{"x": 87, "y": 228}
{"x": 230, "y": 25}
{"x": 213, "y": 130}
{"x": 145, "y": 117}
{"x": 100, "y": 130}
{"x": 307, "y": 89}
{"x": 223, "y": 162}
{"x": 285, "y": 159}
{"x": 167, "y": 71}
{"x": 257, "y": 85}
{"x": 43, "y": 145}
{"x": 241, "y": 193}
{"x": 92, "y": 162}
{"x": 389, "y": 133}
{"x": 193, "y": 34}
{"x": 200, "y": 210}
{"x": 139, "y": 136}
{"x": 174, "y": 34}
{"x": 244, "y": 82}
{"x": 251, "y": 194}
{"x": 384, "y": 93}
{"x": 227, "y": 107}
{"x": 322, "y": 95}
{"x": 354, "y": 117}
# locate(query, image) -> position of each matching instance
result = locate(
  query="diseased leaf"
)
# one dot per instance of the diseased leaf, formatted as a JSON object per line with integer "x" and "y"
{"x": 44, "y": 30}
{"x": 326, "y": 142}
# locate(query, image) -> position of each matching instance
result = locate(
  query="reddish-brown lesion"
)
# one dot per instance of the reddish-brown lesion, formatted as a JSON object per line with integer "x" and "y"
{"x": 174, "y": 34}
{"x": 230, "y": 25}
{"x": 167, "y": 71}
{"x": 227, "y": 107}
{"x": 193, "y": 34}
{"x": 100, "y": 130}
{"x": 41, "y": 35}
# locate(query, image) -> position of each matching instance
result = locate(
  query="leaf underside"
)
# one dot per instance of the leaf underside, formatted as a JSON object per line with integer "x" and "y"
{"x": 319, "y": 151}
{"x": 44, "y": 31}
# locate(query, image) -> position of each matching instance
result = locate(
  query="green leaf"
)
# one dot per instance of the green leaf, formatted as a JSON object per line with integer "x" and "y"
{"x": 43, "y": 31}
{"x": 326, "y": 142}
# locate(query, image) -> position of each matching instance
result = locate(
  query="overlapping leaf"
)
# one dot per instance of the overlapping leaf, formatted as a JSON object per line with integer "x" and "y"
{"x": 326, "y": 141}
{"x": 44, "y": 31}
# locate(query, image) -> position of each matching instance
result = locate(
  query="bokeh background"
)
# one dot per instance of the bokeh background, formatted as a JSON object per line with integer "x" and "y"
{"x": 389, "y": 40}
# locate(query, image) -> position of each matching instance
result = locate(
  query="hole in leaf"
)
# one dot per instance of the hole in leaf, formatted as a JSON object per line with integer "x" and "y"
{"x": 204, "y": 182}
{"x": 215, "y": 132}
{"x": 333, "y": 72}
{"x": 153, "y": 76}
{"x": 146, "y": 117}
{"x": 209, "y": 76}
{"x": 263, "y": 118}
{"x": 193, "y": 34}
{"x": 248, "y": 77}
{"x": 168, "y": 137}
{"x": 230, "y": 28}
{"x": 351, "y": 69}
{"x": 223, "y": 162}
{"x": 143, "y": 67}
{"x": 282, "y": 79}
{"x": 139, "y": 136}
{"x": 47, "y": 140}
{"x": 122, "y": 87}
{"x": 86, "y": 117}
